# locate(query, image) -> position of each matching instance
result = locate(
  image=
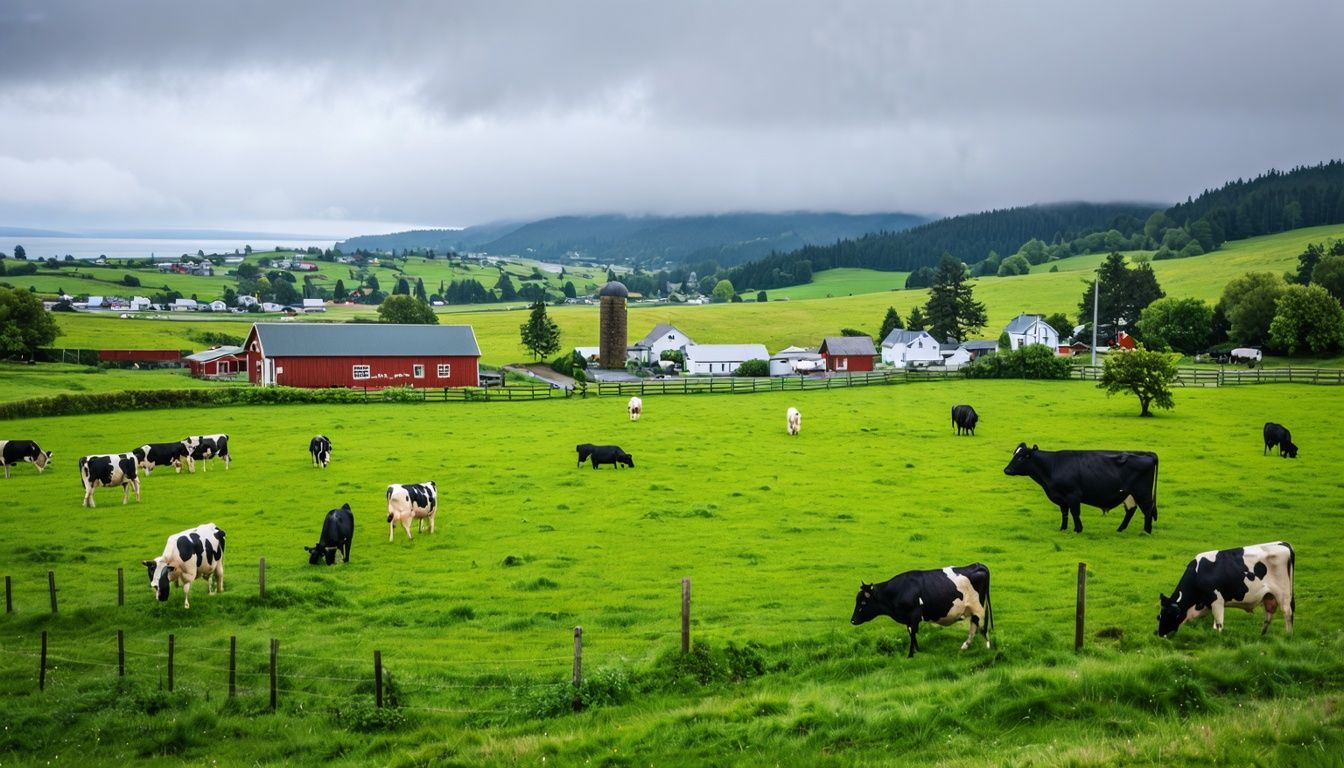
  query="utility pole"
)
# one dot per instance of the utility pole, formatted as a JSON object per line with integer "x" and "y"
{"x": 1096, "y": 294}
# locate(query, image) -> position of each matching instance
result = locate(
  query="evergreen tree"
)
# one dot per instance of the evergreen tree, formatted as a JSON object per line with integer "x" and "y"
{"x": 403, "y": 288}
{"x": 569, "y": 291}
{"x": 420, "y": 290}
{"x": 338, "y": 293}
{"x": 916, "y": 321}
{"x": 952, "y": 309}
{"x": 1123, "y": 294}
{"x": 505, "y": 285}
{"x": 540, "y": 334}
{"x": 890, "y": 322}
{"x": 1307, "y": 261}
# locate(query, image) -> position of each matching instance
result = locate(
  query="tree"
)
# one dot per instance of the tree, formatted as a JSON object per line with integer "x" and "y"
{"x": 890, "y": 322}
{"x": 419, "y": 292}
{"x": 920, "y": 278}
{"x": 916, "y": 321}
{"x": 723, "y": 291}
{"x": 540, "y": 334}
{"x": 1148, "y": 375}
{"x": 1017, "y": 264}
{"x": 505, "y": 285}
{"x": 230, "y": 297}
{"x": 761, "y": 298}
{"x": 1033, "y": 251}
{"x": 372, "y": 282}
{"x": 402, "y": 288}
{"x": 1249, "y": 302}
{"x": 406, "y": 310}
{"x": 952, "y": 309}
{"x": 851, "y": 332}
{"x": 339, "y": 293}
{"x": 130, "y": 281}
{"x": 247, "y": 249}
{"x": 569, "y": 291}
{"x": 1307, "y": 319}
{"x": 19, "y": 253}
{"x": 1329, "y": 274}
{"x": 285, "y": 292}
{"x": 24, "y": 324}
{"x": 611, "y": 275}
{"x": 1061, "y": 323}
{"x": 1123, "y": 294}
{"x": 1180, "y": 324}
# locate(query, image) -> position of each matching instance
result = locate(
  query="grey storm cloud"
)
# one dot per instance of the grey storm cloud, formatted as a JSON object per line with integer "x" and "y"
{"x": 452, "y": 113}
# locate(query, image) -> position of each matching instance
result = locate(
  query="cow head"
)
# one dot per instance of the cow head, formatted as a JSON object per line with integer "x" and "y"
{"x": 1171, "y": 615}
{"x": 158, "y": 578}
{"x": 865, "y": 607}
{"x": 317, "y": 553}
{"x": 44, "y": 458}
{"x": 1288, "y": 450}
{"x": 627, "y": 460}
{"x": 1020, "y": 464}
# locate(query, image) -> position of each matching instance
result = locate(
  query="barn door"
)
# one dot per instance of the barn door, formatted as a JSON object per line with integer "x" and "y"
{"x": 268, "y": 372}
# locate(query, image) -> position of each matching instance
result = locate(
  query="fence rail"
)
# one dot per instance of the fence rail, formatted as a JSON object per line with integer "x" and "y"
{"x": 1224, "y": 376}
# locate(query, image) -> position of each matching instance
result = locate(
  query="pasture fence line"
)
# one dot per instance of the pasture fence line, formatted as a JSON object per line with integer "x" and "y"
{"x": 1223, "y": 376}
{"x": 734, "y": 385}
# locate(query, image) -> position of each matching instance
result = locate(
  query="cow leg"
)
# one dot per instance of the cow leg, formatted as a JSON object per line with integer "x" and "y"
{"x": 126, "y": 493}
{"x": 391, "y": 529}
{"x": 975, "y": 624}
{"x": 6, "y": 471}
{"x": 186, "y": 594}
{"x": 1063, "y": 517}
{"x": 136, "y": 486}
{"x": 1077, "y": 519}
{"x": 406, "y": 524}
{"x": 1129, "y": 513}
{"x": 1218, "y": 608}
{"x": 914, "y": 644}
{"x": 431, "y": 522}
{"x": 1149, "y": 515}
{"x": 1288, "y": 615}
{"x": 88, "y": 497}
{"x": 191, "y": 465}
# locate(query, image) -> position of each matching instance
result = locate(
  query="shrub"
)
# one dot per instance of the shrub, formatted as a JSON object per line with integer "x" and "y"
{"x": 753, "y": 368}
{"x": 605, "y": 687}
{"x": 1033, "y": 361}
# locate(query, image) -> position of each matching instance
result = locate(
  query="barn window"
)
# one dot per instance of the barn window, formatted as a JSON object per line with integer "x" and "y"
{"x": 418, "y": 371}
{"x": 359, "y": 371}
{"x": 445, "y": 370}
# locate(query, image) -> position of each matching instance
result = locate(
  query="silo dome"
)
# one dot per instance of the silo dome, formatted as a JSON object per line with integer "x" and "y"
{"x": 614, "y": 288}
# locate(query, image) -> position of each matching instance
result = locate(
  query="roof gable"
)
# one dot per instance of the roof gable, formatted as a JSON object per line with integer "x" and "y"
{"x": 1022, "y": 322}
{"x": 847, "y": 346}
{"x": 902, "y": 336}
{"x": 365, "y": 340}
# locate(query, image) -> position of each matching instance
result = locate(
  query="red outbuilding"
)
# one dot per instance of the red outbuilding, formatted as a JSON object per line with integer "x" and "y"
{"x": 217, "y": 361}
{"x": 848, "y": 354}
{"x": 372, "y": 355}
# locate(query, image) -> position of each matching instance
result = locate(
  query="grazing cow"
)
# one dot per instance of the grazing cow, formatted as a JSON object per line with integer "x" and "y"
{"x": 205, "y": 447}
{"x": 793, "y": 421}
{"x": 320, "y": 448}
{"x": 1103, "y": 479}
{"x": 635, "y": 406}
{"x": 189, "y": 555}
{"x": 1242, "y": 578}
{"x": 151, "y": 455}
{"x": 109, "y": 469}
{"x": 610, "y": 454}
{"x": 338, "y": 531}
{"x": 1277, "y": 434}
{"x": 944, "y": 596}
{"x": 14, "y": 451}
{"x": 411, "y": 502}
{"x": 964, "y": 418}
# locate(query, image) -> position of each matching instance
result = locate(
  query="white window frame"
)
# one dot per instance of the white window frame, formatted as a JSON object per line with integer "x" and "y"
{"x": 445, "y": 370}
{"x": 418, "y": 370}
{"x": 356, "y": 370}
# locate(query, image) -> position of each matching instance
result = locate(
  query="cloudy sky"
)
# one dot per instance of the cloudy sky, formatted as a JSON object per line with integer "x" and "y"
{"x": 340, "y": 117}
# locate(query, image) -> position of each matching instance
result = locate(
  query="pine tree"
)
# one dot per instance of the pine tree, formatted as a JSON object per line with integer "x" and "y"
{"x": 420, "y": 290}
{"x": 952, "y": 309}
{"x": 916, "y": 321}
{"x": 891, "y": 322}
{"x": 540, "y": 334}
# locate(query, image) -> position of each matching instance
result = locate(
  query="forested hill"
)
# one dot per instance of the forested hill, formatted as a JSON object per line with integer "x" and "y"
{"x": 650, "y": 241}
{"x": 1276, "y": 201}
{"x": 970, "y": 238}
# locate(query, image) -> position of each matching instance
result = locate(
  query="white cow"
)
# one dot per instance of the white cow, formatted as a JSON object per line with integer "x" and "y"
{"x": 109, "y": 469}
{"x": 794, "y": 421}
{"x": 206, "y": 448}
{"x": 411, "y": 502}
{"x": 636, "y": 406}
{"x": 194, "y": 553}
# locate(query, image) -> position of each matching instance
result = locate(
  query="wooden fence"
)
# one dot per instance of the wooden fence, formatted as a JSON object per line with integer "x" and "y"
{"x": 1225, "y": 376}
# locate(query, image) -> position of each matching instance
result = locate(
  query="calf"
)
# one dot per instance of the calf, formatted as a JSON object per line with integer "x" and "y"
{"x": 1278, "y": 435}
{"x": 193, "y": 553}
{"x": 610, "y": 454}
{"x": 320, "y": 448}
{"x": 338, "y": 531}
{"x": 15, "y": 451}
{"x": 1242, "y": 578}
{"x": 1103, "y": 479}
{"x": 793, "y": 421}
{"x": 635, "y": 406}
{"x": 411, "y": 502}
{"x": 151, "y": 455}
{"x": 943, "y": 596}
{"x": 207, "y": 447}
{"x": 964, "y": 418}
{"x": 109, "y": 470}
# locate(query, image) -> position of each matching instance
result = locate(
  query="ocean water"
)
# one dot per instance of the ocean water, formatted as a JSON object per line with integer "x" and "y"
{"x": 141, "y": 248}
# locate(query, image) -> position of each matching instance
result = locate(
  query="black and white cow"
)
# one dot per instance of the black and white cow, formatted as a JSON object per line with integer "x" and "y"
{"x": 607, "y": 454}
{"x": 944, "y": 596}
{"x": 151, "y": 455}
{"x": 207, "y": 447}
{"x": 320, "y": 448}
{"x": 194, "y": 553}
{"x": 109, "y": 469}
{"x": 338, "y": 531}
{"x": 15, "y": 451}
{"x": 1278, "y": 435}
{"x": 411, "y": 502}
{"x": 1242, "y": 578}
{"x": 1103, "y": 479}
{"x": 964, "y": 418}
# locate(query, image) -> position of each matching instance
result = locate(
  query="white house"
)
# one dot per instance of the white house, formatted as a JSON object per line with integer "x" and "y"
{"x": 183, "y": 305}
{"x": 968, "y": 351}
{"x": 1031, "y": 329}
{"x": 662, "y": 338}
{"x": 271, "y": 306}
{"x": 93, "y": 302}
{"x": 314, "y": 305}
{"x": 914, "y": 348}
{"x": 721, "y": 359}
{"x": 792, "y": 361}
{"x": 246, "y": 301}
{"x": 138, "y": 303}
{"x": 218, "y": 306}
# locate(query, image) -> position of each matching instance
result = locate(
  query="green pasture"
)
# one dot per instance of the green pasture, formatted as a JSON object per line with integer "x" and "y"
{"x": 844, "y": 281}
{"x": 475, "y": 622}
{"x": 22, "y": 382}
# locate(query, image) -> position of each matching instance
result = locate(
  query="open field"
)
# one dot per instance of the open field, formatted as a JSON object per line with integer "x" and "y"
{"x": 842, "y": 282}
{"x": 475, "y": 621}
{"x": 21, "y": 382}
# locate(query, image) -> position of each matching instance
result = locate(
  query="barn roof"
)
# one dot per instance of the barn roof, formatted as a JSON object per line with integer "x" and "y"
{"x": 215, "y": 354}
{"x": 726, "y": 353}
{"x": 365, "y": 340}
{"x": 1022, "y": 322}
{"x": 902, "y": 336}
{"x": 848, "y": 345}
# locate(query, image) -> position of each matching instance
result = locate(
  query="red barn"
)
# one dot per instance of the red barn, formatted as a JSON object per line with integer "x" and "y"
{"x": 848, "y": 354}
{"x": 219, "y": 361}
{"x": 373, "y": 355}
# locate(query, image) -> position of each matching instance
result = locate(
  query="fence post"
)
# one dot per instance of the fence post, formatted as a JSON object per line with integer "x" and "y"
{"x": 171, "y": 646}
{"x": 378, "y": 678}
{"x": 233, "y": 665}
{"x": 261, "y": 576}
{"x": 9, "y": 597}
{"x": 685, "y": 616}
{"x": 42, "y": 665}
{"x": 578, "y": 657}
{"x": 51, "y": 586}
{"x": 121, "y": 588}
{"x": 1082, "y": 604}
{"x": 121, "y": 653}
{"x": 275, "y": 649}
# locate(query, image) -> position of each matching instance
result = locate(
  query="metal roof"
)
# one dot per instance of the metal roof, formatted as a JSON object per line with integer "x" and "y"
{"x": 365, "y": 340}
{"x": 726, "y": 353}
{"x": 1022, "y": 322}
{"x": 902, "y": 336}
{"x": 847, "y": 345}
{"x": 213, "y": 354}
{"x": 659, "y": 331}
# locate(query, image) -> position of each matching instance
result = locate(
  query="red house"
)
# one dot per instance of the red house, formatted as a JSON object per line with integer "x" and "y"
{"x": 372, "y": 355}
{"x": 219, "y": 361}
{"x": 848, "y": 354}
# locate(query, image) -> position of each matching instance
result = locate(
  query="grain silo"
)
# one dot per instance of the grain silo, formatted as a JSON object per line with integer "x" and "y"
{"x": 612, "y": 334}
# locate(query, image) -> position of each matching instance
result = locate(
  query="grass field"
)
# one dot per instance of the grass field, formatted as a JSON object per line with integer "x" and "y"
{"x": 475, "y": 621}
{"x": 21, "y": 382}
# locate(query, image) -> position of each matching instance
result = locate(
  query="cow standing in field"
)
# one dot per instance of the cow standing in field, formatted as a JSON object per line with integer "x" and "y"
{"x": 109, "y": 470}
{"x": 1102, "y": 479}
{"x": 15, "y": 451}
{"x": 189, "y": 555}
{"x": 411, "y": 502}
{"x": 151, "y": 455}
{"x": 207, "y": 447}
{"x": 793, "y": 421}
{"x": 320, "y": 448}
{"x": 1242, "y": 578}
{"x": 964, "y": 418}
{"x": 635, "y": 407}
{"x": 944, "y": 596}
{"x": 1278, "y": 435}
{"x": 610, "y": 454}
{"x": 338, "y": 532}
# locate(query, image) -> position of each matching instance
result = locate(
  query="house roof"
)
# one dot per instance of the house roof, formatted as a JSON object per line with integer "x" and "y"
{"x": 726, "y": 353}
{"x": 365, "y": 340}
{"x": 848, "y": 345}
{"x": 659, "y": 331}
{"x": 1022, "y": 322}
{"x": 980, "y": 346}
{"x": 215, "y": 354}
{"x": 902, "y": 336}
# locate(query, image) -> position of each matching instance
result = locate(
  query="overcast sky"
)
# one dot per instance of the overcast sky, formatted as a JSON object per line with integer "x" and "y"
{"x": 342, "y": 118}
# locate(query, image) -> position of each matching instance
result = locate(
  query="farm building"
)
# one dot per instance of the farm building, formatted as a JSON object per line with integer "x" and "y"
{"x": 721, "y": 359}
{"x": 792, "y": 361}
{"x": 902, "y": 348}
{"x": 219, "y": 361}
{"x": 373, "y": 355}
{"x": 848, "y": 353}
{"x": 1031, "y": 329}
{"x": 662, "y": 338}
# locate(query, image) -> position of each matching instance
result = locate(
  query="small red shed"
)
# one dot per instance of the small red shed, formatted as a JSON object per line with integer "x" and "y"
{"x": 372, "y": 355}
{"x": 217, "y": 361}
{"x": 848, "y": 354}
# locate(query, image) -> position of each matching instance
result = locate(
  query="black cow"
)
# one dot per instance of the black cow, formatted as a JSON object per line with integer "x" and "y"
{"x": 585, "y": 450}
{"x": 15, "y": 451}
{"x": 1277, "y": 434}
{"x": 608, "y": 454}
{"x": 338, "y": 530}
{"x": 1242, "y": 578}
{"x": 964, "y": 418}
{"x": 1102, "y": 479}
{"x": 205, "y": 447}
{"x": 320, "y": 448}
{"x": 151, "y": 455}
{"x": 944, "y": 596}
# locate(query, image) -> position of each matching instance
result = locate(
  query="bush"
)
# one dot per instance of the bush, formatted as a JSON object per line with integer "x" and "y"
{"x": 753, "y": 368}
{"x": 215, "y": 338}
{"x": 605, "y": 687}
{"x": 1033, "y": 361}
{"x": 135, "y": 400}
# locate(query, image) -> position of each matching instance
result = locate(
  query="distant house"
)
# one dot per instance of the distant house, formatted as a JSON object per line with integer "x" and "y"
{"x": 851, "y": 354}
{"x": 968, "y": 351}
{"x": 271, "y": 306}
{"x": 246, "y": 301}
{"x": 219, "y": 361}
{"x": 721, "y": 359}
{"x": 901, "y": 348}
{"x": 218, "y": 306}
{"x": 306, "y": 266}
{"x": 314, "y": 305}
{"x": 662, "y": 338}
{"x": 139, "y": 302}
{"x": 1031, "y": 329}
{"x": 373, "y": 355}
{"x": 93, "y": 302}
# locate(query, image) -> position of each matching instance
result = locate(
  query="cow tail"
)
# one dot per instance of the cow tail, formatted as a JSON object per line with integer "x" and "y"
{"x": 989, "y": 608}
{"x": 1156, "y": 463}
{"x": 1292, "y": 566}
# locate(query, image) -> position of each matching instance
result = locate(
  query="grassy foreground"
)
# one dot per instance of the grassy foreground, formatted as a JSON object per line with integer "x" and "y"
{"x": 475, "y": 622}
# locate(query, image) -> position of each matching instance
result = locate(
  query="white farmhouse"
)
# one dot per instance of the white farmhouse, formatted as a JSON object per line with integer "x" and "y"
{"x": 721, "y": 359}
{"x": 1031, "y": 329}
{"x": 791, "y": 361}
{"x": 183, "y": 305}
{"x": 664, "y": 337}
{"x": 271, "y": 306}
{"x": 139, "y": 302}
{"x": 914, "y": 348}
